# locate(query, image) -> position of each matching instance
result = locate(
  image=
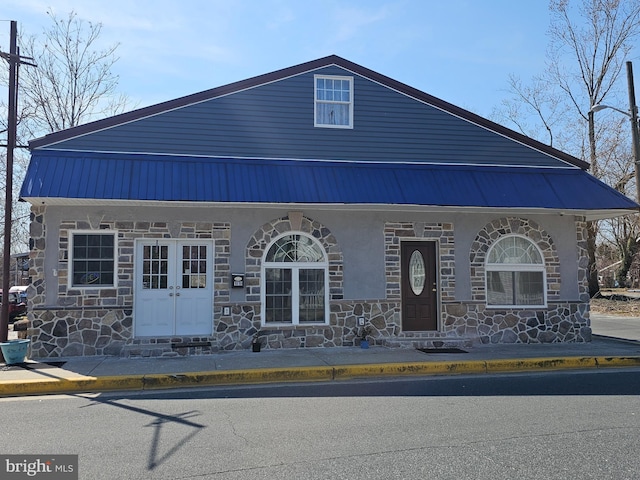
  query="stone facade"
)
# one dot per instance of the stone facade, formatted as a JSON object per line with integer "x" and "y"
{"x": 100, "y": 321}
{"x": 559, "y": 322}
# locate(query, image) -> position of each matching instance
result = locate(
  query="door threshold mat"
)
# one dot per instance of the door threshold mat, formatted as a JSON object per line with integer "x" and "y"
{"x": 442, "y": 350}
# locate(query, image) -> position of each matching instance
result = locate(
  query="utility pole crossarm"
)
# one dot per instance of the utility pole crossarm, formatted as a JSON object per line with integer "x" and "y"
{"x": 21, "y": 59}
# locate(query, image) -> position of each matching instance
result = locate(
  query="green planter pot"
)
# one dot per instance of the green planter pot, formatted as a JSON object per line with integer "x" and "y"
{"x": 14, "y": 351}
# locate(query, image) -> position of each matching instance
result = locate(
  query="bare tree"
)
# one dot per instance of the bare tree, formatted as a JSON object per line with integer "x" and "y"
{"x": 72, "y": 84}
{"x": 589, "y": 43}
{"x": 534, "y": 110}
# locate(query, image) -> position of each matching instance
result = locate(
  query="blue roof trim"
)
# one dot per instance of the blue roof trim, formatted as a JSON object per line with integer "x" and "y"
{"x": 80, "y": 175}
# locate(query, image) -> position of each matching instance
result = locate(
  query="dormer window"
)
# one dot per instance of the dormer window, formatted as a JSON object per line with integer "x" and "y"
{"x": 333, "y": 101}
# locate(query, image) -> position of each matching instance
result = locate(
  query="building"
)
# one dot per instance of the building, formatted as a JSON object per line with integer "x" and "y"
{"x": 299, "y": 205}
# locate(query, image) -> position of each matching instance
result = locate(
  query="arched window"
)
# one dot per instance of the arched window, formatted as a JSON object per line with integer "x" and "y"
{"x": 296, "y": 279}
{"x": 515, "y": 274}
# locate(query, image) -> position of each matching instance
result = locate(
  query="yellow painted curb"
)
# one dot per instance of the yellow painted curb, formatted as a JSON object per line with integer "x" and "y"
{"x": 553, "y": 363}
{"x": 160, "y": 381}
{"x": 618, "y": 361}
{"x": 301, "y": 374}
{"x": 70, "y": 385}
{"x": 115, "y": 382}
{"x": 414, "y": 368}
{"x": 230, "y": 377}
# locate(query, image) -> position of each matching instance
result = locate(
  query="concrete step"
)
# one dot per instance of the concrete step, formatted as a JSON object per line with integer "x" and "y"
{"x": 145, "y": 350}
{"x": 176, "y": 347}
{"x": 435, "y": 342}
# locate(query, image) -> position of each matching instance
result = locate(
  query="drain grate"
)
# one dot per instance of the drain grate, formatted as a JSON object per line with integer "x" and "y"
{"x": 442, "y": 350}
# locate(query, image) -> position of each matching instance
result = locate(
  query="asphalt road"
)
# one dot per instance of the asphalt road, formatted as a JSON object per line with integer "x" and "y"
{"x": 616, "y": 326}
{"x": 556, "y": 425}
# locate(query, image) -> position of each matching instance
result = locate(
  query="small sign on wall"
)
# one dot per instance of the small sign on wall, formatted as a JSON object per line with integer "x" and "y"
{"x": 237, "y": 280}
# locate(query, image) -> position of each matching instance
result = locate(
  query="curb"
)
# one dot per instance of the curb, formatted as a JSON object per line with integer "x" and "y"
{"x": 85, "y": 384}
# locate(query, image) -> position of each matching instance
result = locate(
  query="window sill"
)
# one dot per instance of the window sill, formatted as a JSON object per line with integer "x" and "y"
{"x": 519, "y": 307}
{"x": 288, "y": 326}
{"x": 327, "y": 125}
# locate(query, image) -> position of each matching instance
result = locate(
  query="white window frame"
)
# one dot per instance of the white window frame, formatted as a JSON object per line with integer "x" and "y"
{"x": 516, "y": 267}
{"x": 70, "y": 274}
{"x": 316, "y": 101}
{"x": 295, "y": 267}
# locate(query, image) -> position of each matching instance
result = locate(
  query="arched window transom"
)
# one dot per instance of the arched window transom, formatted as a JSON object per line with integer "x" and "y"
{"x": 515, "y": 250}
{"x": 515, "y": 274}
{"x": 295, "y": 248}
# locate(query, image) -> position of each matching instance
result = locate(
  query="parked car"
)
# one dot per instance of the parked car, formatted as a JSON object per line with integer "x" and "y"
{"x": 17, "y": 305}
{"x": 21, "y": 291}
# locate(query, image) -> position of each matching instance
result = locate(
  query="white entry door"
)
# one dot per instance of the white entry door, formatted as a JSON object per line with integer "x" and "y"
{"x": 174, "y": 288}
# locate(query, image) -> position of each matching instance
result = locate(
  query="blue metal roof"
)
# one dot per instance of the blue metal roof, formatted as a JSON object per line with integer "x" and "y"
{"x": 118, "y": 176}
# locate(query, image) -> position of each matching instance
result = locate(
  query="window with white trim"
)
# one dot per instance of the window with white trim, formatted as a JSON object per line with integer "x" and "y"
{"x": 515, "y": 274}
{"x": 296, "y": 278}
{"x": 333, "y": 101}
{"x": 93, "y": 259}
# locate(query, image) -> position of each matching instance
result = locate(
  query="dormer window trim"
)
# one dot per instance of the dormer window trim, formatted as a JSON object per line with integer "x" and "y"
{"x": 333, "y": 101}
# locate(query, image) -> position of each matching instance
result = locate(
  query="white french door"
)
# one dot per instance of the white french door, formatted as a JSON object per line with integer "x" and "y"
{"x": 173, "y": 288}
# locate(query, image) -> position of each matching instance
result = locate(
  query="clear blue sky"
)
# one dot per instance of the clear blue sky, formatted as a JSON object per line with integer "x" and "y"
{"x": 461, "y": 51}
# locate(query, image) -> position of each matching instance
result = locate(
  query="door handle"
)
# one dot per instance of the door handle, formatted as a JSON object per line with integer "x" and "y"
{"x": 171, "y": 294}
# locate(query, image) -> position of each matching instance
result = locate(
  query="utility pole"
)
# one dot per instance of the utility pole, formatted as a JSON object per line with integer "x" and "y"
{"x": 634, "y": 128}
{"x": 14, "y": 59}
{"x": 633, "y": 116}
{"x": 635, "y": 134}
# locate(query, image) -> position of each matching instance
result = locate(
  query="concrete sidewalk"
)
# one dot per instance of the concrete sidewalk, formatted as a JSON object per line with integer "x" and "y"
{"x": 97, "y": 374}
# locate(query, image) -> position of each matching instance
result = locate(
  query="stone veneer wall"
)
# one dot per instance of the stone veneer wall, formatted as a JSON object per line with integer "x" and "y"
{"x": 443, "y": 234}
{"x": 294, "y": 222}
{"x": 342, "y": 325}
{"x": 342, "y": 330}
{"x": 236, "y": 330}
{"x": 99, "y": 321}
{"x": 561, "y": 321}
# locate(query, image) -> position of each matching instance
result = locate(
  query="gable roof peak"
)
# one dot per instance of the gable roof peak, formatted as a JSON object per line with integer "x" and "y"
{"x": 139, "y": 113}
{"x": 296, "y": 70}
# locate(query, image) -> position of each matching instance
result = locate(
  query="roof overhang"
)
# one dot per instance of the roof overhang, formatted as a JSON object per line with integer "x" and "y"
{"x": 81, "y": 178}
{"x": 590, "y": 215}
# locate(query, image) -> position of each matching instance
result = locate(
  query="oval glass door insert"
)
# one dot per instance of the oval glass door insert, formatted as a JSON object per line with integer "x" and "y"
{"x": 416, "y": 272}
